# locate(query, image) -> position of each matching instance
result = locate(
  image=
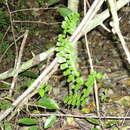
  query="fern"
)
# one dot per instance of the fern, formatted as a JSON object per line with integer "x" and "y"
{"x": 66, "y": 54}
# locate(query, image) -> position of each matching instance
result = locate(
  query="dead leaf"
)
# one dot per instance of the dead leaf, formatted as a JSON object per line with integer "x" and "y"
{"x": 124, "y": 101}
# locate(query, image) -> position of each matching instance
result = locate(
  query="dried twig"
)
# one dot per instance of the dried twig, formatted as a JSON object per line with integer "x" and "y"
{"x": 34, "y": 85}
{"x": 100, "y": 18}
{"x": 12, "y": 29}
{"x": 5, "y": 34}
{"x": 25, "y": 100}
{"x": 31, "y": 9}
{"x": 81, "y": 29}
{"x": 88, "y": 3}
{"x": 37, "y": 22}
{"x": 126, "y": 115}
{"x": 4, "y": 82}
{"x": 9, "y": 47}
{"x": 113, "y": 9}
{"x": 89, "y": 54}
{"x": 95, "y": 83}
{"x": 30, "y": 63}
{"x": 18, "y": 63}
{"x": 85, "y": 116}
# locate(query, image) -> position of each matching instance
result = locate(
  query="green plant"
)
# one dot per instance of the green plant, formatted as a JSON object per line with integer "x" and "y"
{"x": 7, "y": 126}
{"x": 40, "y": 2}
{"x": 67, "y": 55}
{"x": 45, "y": 101}
{"x": 27, "y": 121}
{"x": 4, "y": 45}
{"x": 107, "y": 124}
{"x": 50, "y": 121}
{"x": 4, "y": 104}
{"x": 48, "y": 103}
{"x": 43, "y": 89}
{"x": 104, "y": 95}
{"x": 64, "y": 11}
{"x": 4, "y": 20}
{"x": 29, "y": 74}
{"x": 2, "y": 1}
{"x": 52, "y": 2}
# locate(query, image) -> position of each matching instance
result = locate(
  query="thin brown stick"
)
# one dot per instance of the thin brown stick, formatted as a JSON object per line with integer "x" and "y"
{"x": 91, "y": 64}
{"x": 85, "y": 116}
{"x": 30, "y": 9}
{"x": 12, "y": 29}
{"x": 123, "y": 121}
{"x": 4, "y": 82}
{"x": 37, "y": 22}
{"x": 1, "y": 127}
{"x": 95, "y": 83}
{"x": 18, "y": 63}
{"x": 86, "y": 20}
{"x": 10, "y": 46}
{"x": 113, "y": 9}
{"x": 5, "y": 34}
{"x": 88, "y": 3}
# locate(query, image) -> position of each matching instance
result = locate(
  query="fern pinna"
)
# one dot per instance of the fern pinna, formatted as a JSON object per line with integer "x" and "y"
{"x": 67, "y": 54}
